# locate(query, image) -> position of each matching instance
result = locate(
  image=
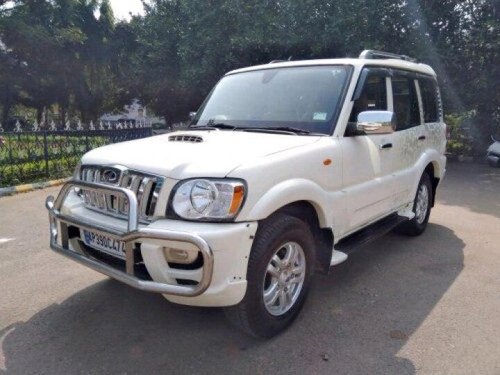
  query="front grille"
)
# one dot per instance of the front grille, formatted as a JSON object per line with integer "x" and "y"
{"x": 146, "y": 188}
{"x": 185, "y": 138}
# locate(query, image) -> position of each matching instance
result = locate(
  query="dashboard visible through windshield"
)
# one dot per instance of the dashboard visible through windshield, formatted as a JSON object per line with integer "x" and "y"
{"x": 298, "y": 99}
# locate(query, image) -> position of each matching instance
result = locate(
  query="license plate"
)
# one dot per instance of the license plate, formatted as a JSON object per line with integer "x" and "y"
{"x": 104, "y": 243}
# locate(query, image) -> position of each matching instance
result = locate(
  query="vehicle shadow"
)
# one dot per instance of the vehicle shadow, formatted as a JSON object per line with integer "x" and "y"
{"x": 479, "y": 188}
{"x": 355, "y": 321}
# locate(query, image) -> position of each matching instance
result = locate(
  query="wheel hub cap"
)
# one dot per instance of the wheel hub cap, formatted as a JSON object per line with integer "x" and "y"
{"x": 422, "y": 204}
{"x": 284, "y": 278}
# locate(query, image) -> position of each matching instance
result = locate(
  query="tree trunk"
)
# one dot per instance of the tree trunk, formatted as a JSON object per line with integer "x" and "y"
{"x": 63, "y": 114}
{"x": 6, "y": 107}
{"x": 39, "y": 113}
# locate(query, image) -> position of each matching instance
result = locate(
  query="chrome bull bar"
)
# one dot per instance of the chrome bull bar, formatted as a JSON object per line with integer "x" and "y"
{"x": 133, "y": 234}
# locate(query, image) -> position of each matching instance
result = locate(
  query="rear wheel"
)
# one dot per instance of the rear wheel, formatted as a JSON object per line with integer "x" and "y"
{"x": 280, "y": 268}
{"x": 421, "y": 208}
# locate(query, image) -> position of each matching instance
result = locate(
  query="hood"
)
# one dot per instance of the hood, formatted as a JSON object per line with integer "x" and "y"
{"x": 187, "y": 154}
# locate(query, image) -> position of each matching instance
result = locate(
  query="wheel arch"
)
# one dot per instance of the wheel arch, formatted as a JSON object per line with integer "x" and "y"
{"x": 434, "y": 164}
{"x": 307, "y": 211}
{"x": 432, "y": 169}
{"x": 286, "y": 193}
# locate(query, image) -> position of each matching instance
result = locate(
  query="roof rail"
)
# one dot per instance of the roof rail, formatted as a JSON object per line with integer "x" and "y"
{"x": 373, "y": 54}
{"x": 278, "y": 61}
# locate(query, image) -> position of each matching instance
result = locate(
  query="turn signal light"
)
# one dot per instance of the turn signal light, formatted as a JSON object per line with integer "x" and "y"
{"x": 239, "y": 193}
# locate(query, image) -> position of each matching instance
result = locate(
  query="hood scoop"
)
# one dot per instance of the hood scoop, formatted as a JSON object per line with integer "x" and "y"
{"x": 185, "y": 138}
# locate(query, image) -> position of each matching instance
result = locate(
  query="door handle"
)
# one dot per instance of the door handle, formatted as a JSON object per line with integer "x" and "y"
{"x": 385, "y": 145}
{"x": 421, "y": 138}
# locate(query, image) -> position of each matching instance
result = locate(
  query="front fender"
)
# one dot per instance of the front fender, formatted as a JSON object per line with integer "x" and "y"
{"x": 291, "y": 191}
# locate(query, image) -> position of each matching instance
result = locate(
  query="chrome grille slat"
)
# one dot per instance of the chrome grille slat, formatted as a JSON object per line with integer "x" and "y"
{"x": 145, "y": 187}
{"x": 143, "y": 195}
{"x": 122, "y": 202}
{"x": 154, "y": 198}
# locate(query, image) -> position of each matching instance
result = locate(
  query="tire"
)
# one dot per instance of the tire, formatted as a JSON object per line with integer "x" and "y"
{"x": 417, "y": 225}
{"x": 276, "y": 237}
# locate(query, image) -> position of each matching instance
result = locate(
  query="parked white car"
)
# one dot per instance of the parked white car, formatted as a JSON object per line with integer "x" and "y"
{"x": 493, "y": 153}
{"x": 285, "y": 170}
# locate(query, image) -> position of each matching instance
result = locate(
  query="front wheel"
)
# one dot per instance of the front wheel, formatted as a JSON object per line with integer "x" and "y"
{"x": 280, "y": 268}
{"x": 421, "y": 208}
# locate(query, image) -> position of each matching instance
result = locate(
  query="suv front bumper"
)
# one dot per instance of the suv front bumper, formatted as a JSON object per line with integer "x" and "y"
{"x": 224, "y": 248}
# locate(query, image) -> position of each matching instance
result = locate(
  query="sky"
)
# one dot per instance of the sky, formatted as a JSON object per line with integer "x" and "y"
{"x": 121, "y": 8}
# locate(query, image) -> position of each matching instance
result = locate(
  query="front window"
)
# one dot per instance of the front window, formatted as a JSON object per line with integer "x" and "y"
{"x": 372, "y": 98}
{"x": 305, "y": 98}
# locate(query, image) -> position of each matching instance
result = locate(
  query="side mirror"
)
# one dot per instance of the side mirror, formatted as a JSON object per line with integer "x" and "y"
{"x": 376, "y": 122}
{"x": 192, "y": 115}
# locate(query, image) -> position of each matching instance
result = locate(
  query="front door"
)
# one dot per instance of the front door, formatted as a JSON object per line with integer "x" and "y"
{"x": 410, "y": 135}
{"x": 368, "y": 160}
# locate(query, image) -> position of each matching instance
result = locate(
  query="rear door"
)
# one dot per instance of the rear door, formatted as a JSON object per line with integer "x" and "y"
{"x": 433, "y": 129}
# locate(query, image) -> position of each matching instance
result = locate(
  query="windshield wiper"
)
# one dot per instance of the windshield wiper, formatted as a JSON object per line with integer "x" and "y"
{"x": 215, "y": 125}
{"x": 279, "y": 129}
{"x": 291, "y": 129}
{"x": 272, "y": 129}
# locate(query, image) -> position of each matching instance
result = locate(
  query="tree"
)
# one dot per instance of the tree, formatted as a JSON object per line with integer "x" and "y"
{"x": 65, "y": 53}
{"x": 60, "y": 52}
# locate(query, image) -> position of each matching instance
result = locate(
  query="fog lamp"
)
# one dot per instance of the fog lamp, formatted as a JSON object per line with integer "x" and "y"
{"x": 180, "y": 255}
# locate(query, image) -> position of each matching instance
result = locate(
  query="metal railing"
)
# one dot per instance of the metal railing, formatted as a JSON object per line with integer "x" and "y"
{"x": 31, "y": 156}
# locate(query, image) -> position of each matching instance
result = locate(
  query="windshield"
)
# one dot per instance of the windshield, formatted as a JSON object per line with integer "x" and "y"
{"x": 305, "y": 98}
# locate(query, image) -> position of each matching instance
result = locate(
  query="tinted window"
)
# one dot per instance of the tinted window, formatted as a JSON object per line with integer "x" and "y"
{"x": 405, "y": 102}
{"x": 373, "y": 97}
{"x": 428, "y": 91}
{"x": 302, "y": 97}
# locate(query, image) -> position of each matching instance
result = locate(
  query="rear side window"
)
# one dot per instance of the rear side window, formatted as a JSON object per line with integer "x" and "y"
{"x": 428, "y": 91}
{"x": 405, "y": 102}
{"x": 372, "y": 98}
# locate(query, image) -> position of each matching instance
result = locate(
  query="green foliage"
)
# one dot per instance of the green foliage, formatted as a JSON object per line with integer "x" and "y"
{"x": 460, "y": 141}
{"x": 59, "y": 52}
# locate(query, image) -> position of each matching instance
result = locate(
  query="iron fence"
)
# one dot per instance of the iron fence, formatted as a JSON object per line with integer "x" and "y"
{"x": 31, "y": 156}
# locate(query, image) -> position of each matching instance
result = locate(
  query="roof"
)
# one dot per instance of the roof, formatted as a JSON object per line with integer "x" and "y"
{"x": 390, "y": 63}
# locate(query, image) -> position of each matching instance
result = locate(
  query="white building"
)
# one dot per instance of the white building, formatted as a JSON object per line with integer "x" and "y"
{"x": 134, "y": 112}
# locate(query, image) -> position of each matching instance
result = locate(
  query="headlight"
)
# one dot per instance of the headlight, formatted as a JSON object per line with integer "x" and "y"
{"x": 203, "y": 199}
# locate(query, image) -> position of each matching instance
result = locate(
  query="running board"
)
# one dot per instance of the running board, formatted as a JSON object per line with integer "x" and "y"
{"x": 373, "y": 231}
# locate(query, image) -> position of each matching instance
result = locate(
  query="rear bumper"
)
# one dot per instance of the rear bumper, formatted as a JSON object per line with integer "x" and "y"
{"x": 221, "y": 281}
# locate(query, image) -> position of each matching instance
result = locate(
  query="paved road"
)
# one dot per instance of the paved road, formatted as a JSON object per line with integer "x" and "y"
{"x": 402, "y": 306}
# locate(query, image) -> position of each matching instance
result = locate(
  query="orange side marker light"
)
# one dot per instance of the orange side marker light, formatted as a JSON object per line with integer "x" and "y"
{"x": 239, "y": 193}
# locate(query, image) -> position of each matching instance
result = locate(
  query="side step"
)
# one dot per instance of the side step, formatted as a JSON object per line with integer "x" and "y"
{"x": 373, "y": 231}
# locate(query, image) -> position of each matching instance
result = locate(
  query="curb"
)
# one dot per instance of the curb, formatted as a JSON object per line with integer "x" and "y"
{"x": 12, "y": 190}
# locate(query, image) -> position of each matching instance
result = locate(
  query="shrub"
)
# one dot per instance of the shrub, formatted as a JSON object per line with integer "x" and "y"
{"x": 460, "y": 140}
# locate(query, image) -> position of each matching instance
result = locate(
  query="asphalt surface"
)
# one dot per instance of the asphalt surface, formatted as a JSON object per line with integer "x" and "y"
{"x": 427, "y": 305}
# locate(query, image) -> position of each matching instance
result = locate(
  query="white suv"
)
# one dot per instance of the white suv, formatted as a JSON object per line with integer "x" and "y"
{"x": 285, "y": 169}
